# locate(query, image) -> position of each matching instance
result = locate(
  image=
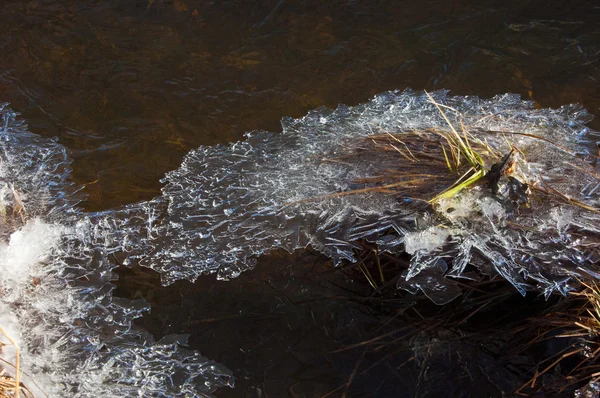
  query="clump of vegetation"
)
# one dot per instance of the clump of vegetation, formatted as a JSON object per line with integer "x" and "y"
{"x": 10, "y": 373}
{"x": 561, "y": 336}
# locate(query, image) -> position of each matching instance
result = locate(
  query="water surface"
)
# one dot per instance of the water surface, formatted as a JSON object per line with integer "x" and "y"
{"x": 131, "y": 86}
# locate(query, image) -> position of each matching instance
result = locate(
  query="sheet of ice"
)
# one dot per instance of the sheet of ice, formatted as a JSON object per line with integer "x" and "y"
{"x": 226, "y": 205}
{"x": 56, "y": 300}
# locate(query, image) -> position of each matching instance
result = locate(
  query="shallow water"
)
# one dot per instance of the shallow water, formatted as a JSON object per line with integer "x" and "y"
{"x": 131, "y": 86}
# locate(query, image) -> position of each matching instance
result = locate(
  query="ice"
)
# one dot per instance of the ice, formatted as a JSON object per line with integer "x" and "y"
{"x": 228, "y": 204}
{"x": 590, "y": 390}
{"x": 425, "y": 241}
{"x": 318, "y": 184}
{"x": 10, "y": 324}
{"x": 56, "y": 298}
{"x": 27, "y": 247}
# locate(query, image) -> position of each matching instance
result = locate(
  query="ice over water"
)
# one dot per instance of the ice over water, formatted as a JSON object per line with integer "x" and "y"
{"x": 228, "y": 204}
{"x": 56, "y": 300}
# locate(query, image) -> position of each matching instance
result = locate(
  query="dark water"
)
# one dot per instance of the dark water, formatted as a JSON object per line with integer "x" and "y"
{"x": 129, "y": 86}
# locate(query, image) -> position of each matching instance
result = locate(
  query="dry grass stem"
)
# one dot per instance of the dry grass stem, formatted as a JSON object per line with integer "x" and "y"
{"x": 10, "y": 387}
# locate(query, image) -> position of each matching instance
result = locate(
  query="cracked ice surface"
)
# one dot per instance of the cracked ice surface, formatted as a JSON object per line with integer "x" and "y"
{"x": 226, "y": 205}
{"x": 56, "y": 298}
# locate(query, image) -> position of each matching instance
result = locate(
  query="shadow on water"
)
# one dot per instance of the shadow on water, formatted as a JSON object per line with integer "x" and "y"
{"x": 297, "y": 327}
{"x": 280, "y": 328}
{"x": 131, "y": 86}
{"x": 275, "y": 327}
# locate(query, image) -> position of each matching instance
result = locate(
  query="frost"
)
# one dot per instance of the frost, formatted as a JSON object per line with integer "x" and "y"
{"x": 10, "y": 324}
{"x": 426, "y": 241}
{"x": 27, "y": 247}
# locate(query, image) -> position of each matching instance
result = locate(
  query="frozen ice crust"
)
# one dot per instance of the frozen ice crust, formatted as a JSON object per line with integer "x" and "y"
{"x": 316, "y": 184}
{"x": 227, "y": 205}
{"x": 56, "y": 295}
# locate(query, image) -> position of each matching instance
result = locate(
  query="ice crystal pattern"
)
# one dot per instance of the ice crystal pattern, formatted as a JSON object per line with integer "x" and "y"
{"x": 228, "y": 204}
{"x": 56, "y": 294}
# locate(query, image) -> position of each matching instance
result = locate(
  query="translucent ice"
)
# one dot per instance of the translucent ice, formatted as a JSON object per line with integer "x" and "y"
{"x": 318, "y": 183}
{"x": 309, "y": 186}
{"x": 56, "y": 301}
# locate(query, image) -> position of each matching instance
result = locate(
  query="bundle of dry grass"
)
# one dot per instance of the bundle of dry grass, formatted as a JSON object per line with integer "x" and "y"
{"x": 11, "y": 386}
{"x": 436, "y": 164}
{"x": 430, "y": 164}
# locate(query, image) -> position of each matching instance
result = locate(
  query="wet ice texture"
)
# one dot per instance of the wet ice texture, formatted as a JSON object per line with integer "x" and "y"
{"x": 55, "y": 292}
{"x": 227, "y": 205}
{"x": 32, "y": 171}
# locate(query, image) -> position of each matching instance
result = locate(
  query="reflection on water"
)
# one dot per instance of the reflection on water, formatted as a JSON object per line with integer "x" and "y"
{"x": 131, "y": 86}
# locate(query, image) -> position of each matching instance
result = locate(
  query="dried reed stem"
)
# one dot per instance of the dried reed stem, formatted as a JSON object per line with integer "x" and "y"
{"x": 17, "y": 384}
